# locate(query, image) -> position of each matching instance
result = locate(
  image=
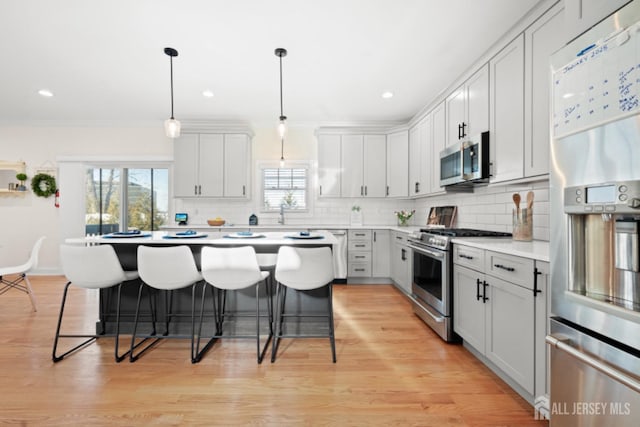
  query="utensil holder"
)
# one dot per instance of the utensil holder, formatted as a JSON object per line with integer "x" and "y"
{"x": 523, "y": 224}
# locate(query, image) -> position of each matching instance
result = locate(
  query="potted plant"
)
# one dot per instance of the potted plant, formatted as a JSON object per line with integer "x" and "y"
{"x": 22, "y": 177}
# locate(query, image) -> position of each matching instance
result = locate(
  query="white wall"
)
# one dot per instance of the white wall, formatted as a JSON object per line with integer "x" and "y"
{"x": 23, "y": 219}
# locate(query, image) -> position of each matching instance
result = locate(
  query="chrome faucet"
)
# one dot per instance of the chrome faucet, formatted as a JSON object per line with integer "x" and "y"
{"x": 281, "y": 216}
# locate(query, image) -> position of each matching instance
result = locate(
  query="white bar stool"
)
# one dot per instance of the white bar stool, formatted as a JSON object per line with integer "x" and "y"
{"x": 21, "y": 270}
{"x": 231, "y": 269}
{"x": 303, "y": 269}
{"x": 166, "y": 269}
{"x": 91, "y": 267}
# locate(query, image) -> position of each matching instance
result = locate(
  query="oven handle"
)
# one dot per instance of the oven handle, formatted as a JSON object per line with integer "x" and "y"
{"x": 616, "y": 375}
{"x": 427, "y": 252}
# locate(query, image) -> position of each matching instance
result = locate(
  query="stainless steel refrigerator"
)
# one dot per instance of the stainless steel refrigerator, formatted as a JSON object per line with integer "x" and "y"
{"x": 594, "y": 336}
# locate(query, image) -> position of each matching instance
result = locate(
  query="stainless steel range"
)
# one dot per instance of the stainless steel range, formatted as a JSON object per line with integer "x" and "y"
{"x": 431, "y": 286}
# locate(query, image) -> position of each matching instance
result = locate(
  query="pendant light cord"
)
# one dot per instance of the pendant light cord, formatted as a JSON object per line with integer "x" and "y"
{"x": 171, "y": 68}
{"x": 281, "y": 104}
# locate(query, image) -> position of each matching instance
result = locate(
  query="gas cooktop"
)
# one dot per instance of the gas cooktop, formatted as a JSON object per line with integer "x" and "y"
{"x": 464, "y": 232}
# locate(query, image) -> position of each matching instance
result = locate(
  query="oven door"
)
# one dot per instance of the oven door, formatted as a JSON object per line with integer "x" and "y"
{"x": 431, "y": 279}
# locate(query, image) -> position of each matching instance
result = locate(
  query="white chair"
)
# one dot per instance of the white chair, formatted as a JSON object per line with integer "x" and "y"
{"x": 232, "y": 269}
{"x": 21, "y": 270}
{"x": 91, "y": 267}
{"x": 165, "y": 269}
{"x": 303, "y": 269}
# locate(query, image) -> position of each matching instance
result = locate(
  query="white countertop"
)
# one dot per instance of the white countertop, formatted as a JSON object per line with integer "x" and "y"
{"x": 261, "y": 239}
{"x": 257, "y": 228}
{"x": 536, "y": 249}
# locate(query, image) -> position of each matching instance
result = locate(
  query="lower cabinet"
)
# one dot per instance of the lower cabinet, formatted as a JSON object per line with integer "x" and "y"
{"x": 400, "y": 261}
{"x": 498, "y": 310}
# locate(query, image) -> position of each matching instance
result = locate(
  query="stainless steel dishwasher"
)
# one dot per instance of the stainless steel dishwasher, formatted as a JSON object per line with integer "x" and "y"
{"x": 339, "y": 255}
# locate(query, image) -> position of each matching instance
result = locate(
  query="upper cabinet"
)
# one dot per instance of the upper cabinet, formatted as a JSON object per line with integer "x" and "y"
{"x": 420, "y": 157}
{"x": 580, "y": 15}
{"x": 364, "y": 164}
{"x": 438, "y": 142}
{"x": 329, "y": 149}
{"x": 397, "y": 164}
{"x": 541, "y": 39}
{"x": 520, "y": 88}
{"x": 467, "y": 108}
{"x": 426, "y": 141}
{"x": 211, "y": 165}
{"x": 506, "y": 133}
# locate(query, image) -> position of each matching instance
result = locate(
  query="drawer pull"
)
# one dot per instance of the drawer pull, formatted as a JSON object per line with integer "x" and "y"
{"x": 465, "y": 256}
{"x": 360, "y": 246}
{"x": 359, "y": 269}
{"x": 359, "y": 256}
{"x": 503, "y": 267}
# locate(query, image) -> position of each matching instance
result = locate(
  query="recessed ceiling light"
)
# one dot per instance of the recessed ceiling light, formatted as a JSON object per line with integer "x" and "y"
{"x": 207, "y": 94}
{"x": 46, "y": 93}
{"x": 387, "y": 95}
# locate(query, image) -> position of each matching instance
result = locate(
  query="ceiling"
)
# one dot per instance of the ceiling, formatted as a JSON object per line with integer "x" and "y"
{"x": 104, "y": 60}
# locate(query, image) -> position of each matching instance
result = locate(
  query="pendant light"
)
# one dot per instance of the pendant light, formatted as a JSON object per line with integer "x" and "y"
{"x": 282, "y": 126}
{"x": 171, "y": 125}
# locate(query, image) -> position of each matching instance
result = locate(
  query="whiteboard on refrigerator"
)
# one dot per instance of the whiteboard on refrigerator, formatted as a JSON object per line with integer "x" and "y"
{"x": 601, "y": 85}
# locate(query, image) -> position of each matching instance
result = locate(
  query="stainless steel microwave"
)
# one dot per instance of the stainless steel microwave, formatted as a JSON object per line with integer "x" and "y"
{"x": 466, "y": 161}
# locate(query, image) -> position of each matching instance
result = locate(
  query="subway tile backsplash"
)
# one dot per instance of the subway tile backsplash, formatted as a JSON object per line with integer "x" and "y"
{"x": 489, "y": 207}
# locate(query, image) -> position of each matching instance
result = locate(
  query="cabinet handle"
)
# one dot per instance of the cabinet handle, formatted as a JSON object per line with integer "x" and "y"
{"x": 465, "y": 256}
{"x": 199, "y": 189}
{"x": 359, "y": 234}
{"x": 478, "y": 296}
{"x": 359, "y": 246}
{"x": 244, "y": 191}
{"x": 509, "y": 269}
{"x": 403, "y": 254}
{"x": 484, "y": 291}
{"x": 398, "y": 238}
{"x": 464, "y": 125}
{"x": 321, "y": 190}
{"x": 387, "y": 190}
{"x": 415, "y": 188}
{"x": 365, "y": 190}
{"x": 360, "y": 256}
{"x": 536, "y": 273}
{"x": 374, "y": 236}
{"x": 195, "y": 190}
{"x": 359, "y": 269}
{"x": 459, "y": 131}
{"x": 361, "y": 190}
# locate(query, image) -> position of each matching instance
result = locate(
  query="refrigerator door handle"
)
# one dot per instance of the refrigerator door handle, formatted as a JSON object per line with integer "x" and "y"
{"x": 616, "y": 375}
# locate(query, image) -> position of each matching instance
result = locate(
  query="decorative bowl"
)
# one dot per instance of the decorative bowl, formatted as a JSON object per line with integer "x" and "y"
{"x": 215, "y": 222}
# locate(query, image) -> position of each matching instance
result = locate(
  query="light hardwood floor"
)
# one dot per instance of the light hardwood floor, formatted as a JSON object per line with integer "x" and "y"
{"x": 392, "y": 370}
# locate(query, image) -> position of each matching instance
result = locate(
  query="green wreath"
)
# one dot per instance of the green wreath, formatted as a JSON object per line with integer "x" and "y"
{"x": 43, "y": 185}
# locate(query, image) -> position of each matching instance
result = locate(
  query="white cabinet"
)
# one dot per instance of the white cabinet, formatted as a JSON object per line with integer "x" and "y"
{"x": 374, "y": 159}
{"x": 363, "y": 159}
{"x": 212, "y": 165}
{"x": 541, "y": 39}
{"x": 359, "y": 253}
{"x": 380, "y": 253}
{"x": 506, "y": 132}
{"x": 199, "y": 165}
{"x": 495, "y": 311}
{"x": 329, "y": 149}
{"x": 400, "y": 262}
{"x": 467, "y": 108}
{"x": 398, "y": 164}
{"x": 420, "y": 157}
{"x": 543, "y": 309}
{"x": 584, "y": 14}
{"x": 438, "y": 142}
{"x": 237, "y": 158}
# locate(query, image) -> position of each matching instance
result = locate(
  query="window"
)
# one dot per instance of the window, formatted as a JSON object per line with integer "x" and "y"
{"x": 284, "y": 186}
{"x": 118, "y": 199}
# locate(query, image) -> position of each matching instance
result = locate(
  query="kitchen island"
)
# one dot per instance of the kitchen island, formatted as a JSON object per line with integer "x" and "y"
{"x": 180, "y": 303}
